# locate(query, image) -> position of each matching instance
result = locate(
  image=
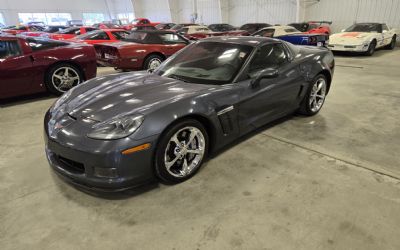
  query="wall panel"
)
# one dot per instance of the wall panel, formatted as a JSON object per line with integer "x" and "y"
{"x": 343, "y": 13}
{"x": 269, "y": 11}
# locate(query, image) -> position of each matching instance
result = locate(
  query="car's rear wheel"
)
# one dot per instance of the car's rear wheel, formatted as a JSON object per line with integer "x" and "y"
{"x": 392, "y": 43}
{"x": 315, "y": 96}
{"x": 62, "y": 77}
{"x": 152, "y": 62}
{"x": 181, "y": 151}
{"x": 371, "y": 48}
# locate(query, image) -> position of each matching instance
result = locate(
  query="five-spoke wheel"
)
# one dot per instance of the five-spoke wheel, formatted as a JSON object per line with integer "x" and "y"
{"x": 181, "y": 151}
{"x": 62, "y": 78}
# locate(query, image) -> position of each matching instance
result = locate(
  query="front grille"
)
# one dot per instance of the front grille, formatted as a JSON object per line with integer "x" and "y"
{"x": 349, "y": 47}
{"x": 71, "y": 166}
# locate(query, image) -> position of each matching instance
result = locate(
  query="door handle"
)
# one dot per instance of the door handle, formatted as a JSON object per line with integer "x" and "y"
{"x": 31, "y": 58}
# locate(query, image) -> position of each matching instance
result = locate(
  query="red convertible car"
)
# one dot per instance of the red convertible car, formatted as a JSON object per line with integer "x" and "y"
{"x": 139, "y": 22}
{"x": 101, "y": 36}
{"x": 30, "y": 65}
{"x": 14, "y": 30}
{"x": 69, "y": 33}
{"x": 140, "y": 50}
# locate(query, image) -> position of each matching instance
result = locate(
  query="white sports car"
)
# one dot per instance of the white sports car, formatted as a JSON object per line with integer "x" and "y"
{"x": 363, "y": 37}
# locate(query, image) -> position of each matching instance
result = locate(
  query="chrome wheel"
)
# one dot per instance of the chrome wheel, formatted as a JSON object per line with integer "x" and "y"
{"x": 154, "y": 63}
{"x": 317, "y": 95}
{"x": 64, "y": 78}
{"x": 184, "y": 152}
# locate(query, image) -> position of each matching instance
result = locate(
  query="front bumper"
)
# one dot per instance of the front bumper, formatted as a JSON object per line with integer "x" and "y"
{"x": 350, "y": 48}
{"x": 103, "y": 167}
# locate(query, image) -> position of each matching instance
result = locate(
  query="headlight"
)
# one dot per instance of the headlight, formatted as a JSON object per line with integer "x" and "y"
{"x": 116, "y": 128}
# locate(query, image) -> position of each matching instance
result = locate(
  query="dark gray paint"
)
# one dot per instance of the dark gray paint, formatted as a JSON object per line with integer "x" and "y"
{"x": 163, "y": 101}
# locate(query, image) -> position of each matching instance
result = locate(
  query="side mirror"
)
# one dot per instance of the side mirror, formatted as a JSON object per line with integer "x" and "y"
{"x": 264, "y": 74}
{"x": 385, "y": 31}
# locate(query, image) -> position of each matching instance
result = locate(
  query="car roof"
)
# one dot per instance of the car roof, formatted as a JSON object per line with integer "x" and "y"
{"x": 245, "y": 40}
{"x": 369, "y": 23}
{"x": 111, "y": 30}
{"x": 155, "y": 31}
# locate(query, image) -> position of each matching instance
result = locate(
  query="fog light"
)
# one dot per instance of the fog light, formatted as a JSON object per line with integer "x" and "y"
{"x": 105, "y": 172}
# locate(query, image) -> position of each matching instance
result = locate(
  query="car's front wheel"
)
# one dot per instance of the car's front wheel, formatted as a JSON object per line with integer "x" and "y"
{"x": 62, "y": 77}
{"x": 181, "y": 151}
{"x": 315, "y": 96}
{"x": 392, "y": 43}
{"x": 371, "y": 48}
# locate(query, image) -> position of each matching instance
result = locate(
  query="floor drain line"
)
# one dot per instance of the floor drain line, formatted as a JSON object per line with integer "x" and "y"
{"x": 333, "y": 157}
{"x": 349, "y": 66}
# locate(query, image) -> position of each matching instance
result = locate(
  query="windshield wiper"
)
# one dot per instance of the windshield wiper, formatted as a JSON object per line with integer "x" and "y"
{"x": 177, "y": 78}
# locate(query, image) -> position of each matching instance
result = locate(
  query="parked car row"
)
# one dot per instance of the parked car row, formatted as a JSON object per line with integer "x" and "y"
{"x": 57, "y": 58}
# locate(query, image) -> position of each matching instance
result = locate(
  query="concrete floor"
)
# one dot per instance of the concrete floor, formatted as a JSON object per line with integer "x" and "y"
{"x": 327, "y": 182}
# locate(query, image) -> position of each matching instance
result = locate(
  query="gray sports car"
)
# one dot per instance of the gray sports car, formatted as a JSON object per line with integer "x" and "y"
{"x": 119, "y": 131}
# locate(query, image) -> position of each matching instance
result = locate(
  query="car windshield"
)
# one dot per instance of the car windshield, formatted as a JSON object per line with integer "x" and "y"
{"x": 363, "y": 27}
{"x": 207, "y": 63}
{"x": 68, "y": 30}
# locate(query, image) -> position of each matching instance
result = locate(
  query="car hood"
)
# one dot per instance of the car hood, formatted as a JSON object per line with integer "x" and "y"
{"x": 350, "y": 38}
{"x": 103, "y": 98}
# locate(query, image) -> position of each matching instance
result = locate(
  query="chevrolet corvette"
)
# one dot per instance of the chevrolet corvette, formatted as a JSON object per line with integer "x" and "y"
{"x": 31, "y": 65}
{"x": 119, "y": 131}
{"x": 140, "y": 50}
{"x": 364, "y": 38}
{"x": 292, "y": 35}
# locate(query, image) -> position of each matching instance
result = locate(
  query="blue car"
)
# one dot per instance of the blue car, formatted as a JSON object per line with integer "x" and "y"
{"x": 292, "y": 35}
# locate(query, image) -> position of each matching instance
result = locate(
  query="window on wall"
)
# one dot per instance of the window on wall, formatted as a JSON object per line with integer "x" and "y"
{"x": 126, "y": 16}
{"x": 58, "y": 18}
{"x": 92, "y": 18}
{"x": 47, "y": 18}
{"x": 2, "y": 22}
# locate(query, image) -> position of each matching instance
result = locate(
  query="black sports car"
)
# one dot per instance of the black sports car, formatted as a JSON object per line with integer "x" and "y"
{"x": 121, "y": 130}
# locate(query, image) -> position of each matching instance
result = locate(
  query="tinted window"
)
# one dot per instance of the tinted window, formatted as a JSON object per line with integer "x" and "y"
{"x": 71, "y": 30}
{"x": 385, "y": 27}
{"x": 39, "y": 44}
{"x": 365, "y": 27}
{"x": 170, "y": 38}
{"x": 9, "y": 49}
{"x": 291, "y": 30}
{"x": 97, "y": 35}
{"x": 265, "y": 33}
{"x": 119, "y": 35}
{"x": 268, "y": 56}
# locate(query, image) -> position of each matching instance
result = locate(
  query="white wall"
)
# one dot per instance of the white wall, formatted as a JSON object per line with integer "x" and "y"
{"x": 343, "y": 13}
{"x": 11, "y": 8}
{"x": 269, "y": 11}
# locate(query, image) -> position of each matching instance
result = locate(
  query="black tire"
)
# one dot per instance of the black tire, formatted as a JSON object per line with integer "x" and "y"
{"x": 147, "y": 63}
{"x": 305, "y": 106}
{"x": 392, "y": 44}
{"x": 371, "y": 48}
{"x": 51, "y": 85}
{"x": 159, "y": 163}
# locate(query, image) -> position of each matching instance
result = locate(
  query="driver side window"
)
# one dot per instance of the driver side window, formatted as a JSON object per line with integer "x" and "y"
{"x": 9, "y": 49}
{"x": 268, "y": 56}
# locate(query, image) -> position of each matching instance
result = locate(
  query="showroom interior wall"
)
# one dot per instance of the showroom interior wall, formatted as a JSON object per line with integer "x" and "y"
{"x": 110, "y": 8}
{"x": 343, "y": 13}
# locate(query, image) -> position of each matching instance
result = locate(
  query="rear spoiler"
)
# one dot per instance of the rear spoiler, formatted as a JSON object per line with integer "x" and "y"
{"x": 321, "y": 22}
